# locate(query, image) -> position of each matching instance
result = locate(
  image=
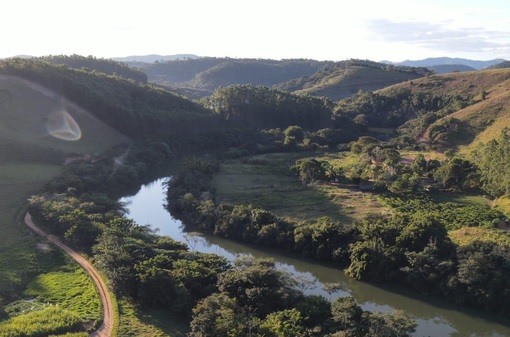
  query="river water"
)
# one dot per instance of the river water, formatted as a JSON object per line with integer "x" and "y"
{"x": 434, "y": 317}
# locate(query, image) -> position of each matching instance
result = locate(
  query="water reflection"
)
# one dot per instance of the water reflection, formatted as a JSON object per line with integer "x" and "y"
{"x": 434, "y": 316}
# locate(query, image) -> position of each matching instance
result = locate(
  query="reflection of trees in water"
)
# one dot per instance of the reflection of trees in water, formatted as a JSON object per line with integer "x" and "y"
{"x": 192, "y": 239}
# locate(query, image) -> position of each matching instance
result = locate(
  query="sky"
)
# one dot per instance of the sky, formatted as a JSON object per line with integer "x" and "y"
{"x": 392, "y": 30}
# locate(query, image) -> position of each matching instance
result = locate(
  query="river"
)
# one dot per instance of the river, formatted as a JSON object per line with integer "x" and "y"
{"x": 435, "y": 317}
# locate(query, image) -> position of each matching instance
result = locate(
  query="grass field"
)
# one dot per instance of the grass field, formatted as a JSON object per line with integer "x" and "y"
{"x": 465, "y": 199}
{"x": 17, "y": 183}
{"x": 467, "y": 235}
{"x": 265, "y": 181}
{"x": 155, "y": 323}
{"x": 71, "y": 288}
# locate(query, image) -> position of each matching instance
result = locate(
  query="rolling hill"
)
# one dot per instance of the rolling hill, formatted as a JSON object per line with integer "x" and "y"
{"x": 201, "y": 77}
{"x": 455, "y": 109}
{"x": 345, "y": 78}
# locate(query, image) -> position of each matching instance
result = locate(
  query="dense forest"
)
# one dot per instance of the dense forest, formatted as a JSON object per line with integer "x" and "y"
{"x": 402, "y": 146}
{"x": 101, "y": 65}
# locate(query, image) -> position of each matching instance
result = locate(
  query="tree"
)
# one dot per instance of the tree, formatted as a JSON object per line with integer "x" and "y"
{"x": 309, "y": 170}
{"x": 217, "y": 316}
{"x": 406, "y": 184}
{"x": 286, "y": 323}
{"x": 293, "y": 136}
{"x": 257, "y": 284}
{"x": 347, "y": 316}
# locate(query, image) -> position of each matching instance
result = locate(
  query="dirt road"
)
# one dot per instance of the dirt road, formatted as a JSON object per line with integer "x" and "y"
{"x": 105, "y": 330}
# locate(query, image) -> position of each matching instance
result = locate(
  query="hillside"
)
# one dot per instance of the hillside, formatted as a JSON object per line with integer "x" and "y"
{"x": 37, "y": 135}
{"x": 450, "y": 68}
{"x": 133, "y": 109}
{"x": 209, "y": 73}
{"x": 335, "y": 80}
{"x": 448, "y": 110}
{"x": 101, "y": 65}
{"x": 37, "y": 123}
{"x": 345, "y": 78}
{"x": 504, "y": 64}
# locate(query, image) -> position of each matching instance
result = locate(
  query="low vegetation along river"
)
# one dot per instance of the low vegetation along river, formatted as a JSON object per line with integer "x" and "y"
{"x": 434, "y": 316}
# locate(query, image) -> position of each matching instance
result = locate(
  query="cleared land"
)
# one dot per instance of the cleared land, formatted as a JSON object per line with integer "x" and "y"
{"x": 266, "y": 182}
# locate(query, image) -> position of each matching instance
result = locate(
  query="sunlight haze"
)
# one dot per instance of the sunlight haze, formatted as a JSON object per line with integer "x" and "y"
{"x": 323, "y": 30}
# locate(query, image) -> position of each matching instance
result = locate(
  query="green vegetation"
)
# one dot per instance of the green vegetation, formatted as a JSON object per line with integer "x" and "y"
{"x": 101, "y": 65}
{"x": 368, "y": 209}
{"x": 334, "y": 80}
{"x": 149, "y": 323}
{"x": 133, "y": 109}
{"x": 51, "y": 320}
{"x": 262, "y": 107}
{"x": 343, "y": 79}
{"x": 265, "y": 182}
{"x": 72, "y": 290}
{"x": 468, "y": 235}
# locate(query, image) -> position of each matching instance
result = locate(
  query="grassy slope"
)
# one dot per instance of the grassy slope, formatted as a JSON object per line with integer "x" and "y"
{"x": 341, "y": 84}
{"x": 482, "y": 119}
{"x": 29, "y": 157}
{"x": 264, "y": 181}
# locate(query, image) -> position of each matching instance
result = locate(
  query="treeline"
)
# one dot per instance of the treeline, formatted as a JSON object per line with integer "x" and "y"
{"x": 102, "y": 65}
{"x": 493, "y": 158}
{"x": 248, "y": 297}
{"x": 412, "y": 247}
{"x": 262, "y": 107}
{"x": 133, "y": 109}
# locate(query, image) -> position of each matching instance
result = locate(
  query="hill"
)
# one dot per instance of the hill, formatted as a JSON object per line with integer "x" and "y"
{"x": 209, "y": 73}
{"x": 101, "y": 65}
{"x": 154, "y": 58}
{"x": 449, "y": 110}
{"x": 504, "y": 64}
{"x": 343, "y": 79}
{"x": 450, "y": 68}
{"x": 133, "y": 109}
{"x": 334, "y": 80}
{"x": 39, "y": 131}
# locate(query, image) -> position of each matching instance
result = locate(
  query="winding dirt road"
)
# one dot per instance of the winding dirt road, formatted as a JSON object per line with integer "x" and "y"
{"x": 105, "y": 330}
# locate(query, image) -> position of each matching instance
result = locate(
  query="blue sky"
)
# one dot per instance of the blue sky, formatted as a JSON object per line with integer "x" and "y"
{"x": 392, "y": 30}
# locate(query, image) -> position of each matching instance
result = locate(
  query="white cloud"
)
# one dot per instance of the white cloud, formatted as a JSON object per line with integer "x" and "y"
{"x": 441, "y": 36}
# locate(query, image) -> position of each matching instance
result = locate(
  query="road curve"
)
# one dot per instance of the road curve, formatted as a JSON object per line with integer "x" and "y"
{"x": 105, "y": 330}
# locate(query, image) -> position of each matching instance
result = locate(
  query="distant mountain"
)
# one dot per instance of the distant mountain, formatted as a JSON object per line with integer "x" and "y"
{"x": 504, "y": 64}
{"x": 435, "y": 61}
{"x": 450, "y": 68}
{"x": 154, "y": 57}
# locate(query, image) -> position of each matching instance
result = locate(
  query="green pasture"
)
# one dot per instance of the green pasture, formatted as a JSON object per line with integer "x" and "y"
{"x": 458, "y": 198}
{"x": 70, "y": 288}
{"x": 265, "y": 181}
{"x": 149, "y": 323}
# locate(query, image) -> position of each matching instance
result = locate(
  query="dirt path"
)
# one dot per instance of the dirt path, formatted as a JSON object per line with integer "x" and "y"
{"x": 105, "y": 330}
